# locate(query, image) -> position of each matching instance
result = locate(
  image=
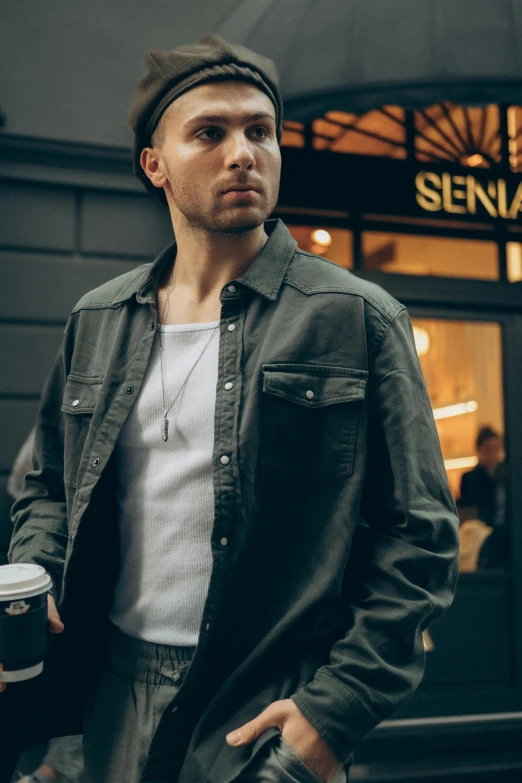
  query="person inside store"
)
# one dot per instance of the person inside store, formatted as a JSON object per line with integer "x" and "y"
{"x": 483, "y": 489}
{"x": 236, "y": 452}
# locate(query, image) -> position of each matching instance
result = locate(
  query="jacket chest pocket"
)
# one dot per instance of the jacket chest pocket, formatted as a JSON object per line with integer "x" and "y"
{"x": 79, "y": 401}
{"x": 309, "y": 421}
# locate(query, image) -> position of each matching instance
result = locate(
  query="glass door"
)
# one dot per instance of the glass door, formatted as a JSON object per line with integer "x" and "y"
{"x": 462, "y": 366}
{"x": 471, "y": 651}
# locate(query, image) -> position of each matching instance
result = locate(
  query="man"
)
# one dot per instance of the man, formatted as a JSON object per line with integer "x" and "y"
{"x": 483, "y": 489}
{"x": 238, "y": 489}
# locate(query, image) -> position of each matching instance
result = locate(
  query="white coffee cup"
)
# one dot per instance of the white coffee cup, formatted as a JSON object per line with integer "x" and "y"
{"x": 23, "y": 620}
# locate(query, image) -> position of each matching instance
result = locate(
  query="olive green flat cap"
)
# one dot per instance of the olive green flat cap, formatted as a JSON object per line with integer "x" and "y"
{"x": 170, "y": 74}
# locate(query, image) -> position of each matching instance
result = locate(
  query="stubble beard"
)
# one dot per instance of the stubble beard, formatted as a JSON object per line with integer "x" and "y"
{"x": 240, "y": 220}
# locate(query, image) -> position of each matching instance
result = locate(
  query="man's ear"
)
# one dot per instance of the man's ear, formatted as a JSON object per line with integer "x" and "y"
{"x": 153, "y": 167}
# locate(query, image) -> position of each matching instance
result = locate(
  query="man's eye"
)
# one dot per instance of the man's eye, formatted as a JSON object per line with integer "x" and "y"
{"x": 211, "y": 134}
{"x": 260, "y": 132}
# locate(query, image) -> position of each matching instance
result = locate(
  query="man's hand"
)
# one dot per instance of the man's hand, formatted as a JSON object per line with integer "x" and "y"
{"x": 54, "y": 624}
{"x": 297, "y": 731}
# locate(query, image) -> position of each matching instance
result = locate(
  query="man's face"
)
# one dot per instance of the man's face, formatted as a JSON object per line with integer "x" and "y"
{"x": 489, "y": 452}
{"x": 219, "y": 160}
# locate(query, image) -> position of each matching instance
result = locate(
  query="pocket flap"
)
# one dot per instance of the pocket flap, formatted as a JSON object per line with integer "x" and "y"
{"x": 314, "y": 385}
{"x": 81, "y": 394}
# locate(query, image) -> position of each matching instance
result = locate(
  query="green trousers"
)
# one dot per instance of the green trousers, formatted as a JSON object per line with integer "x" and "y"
{"x": 136, "y": 685}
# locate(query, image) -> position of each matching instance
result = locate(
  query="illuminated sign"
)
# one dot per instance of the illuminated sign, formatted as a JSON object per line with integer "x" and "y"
{"x": 463, "y": 194}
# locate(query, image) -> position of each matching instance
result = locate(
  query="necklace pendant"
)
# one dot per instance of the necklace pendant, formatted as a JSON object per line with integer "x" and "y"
{"x": 165, "y": 429}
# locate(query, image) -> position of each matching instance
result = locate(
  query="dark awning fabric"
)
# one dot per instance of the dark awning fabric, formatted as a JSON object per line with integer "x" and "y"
{"x": 356, "y": 55}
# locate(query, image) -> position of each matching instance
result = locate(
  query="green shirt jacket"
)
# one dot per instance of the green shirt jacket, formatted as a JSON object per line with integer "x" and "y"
{"x": 330, "y": 490}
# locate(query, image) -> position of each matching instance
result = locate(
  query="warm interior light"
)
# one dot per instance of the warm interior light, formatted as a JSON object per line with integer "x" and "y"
{"x": 513, "y": 133}
{"x": 318, "y": 250}
{"x": 460, "y": 463}
{"x": 514, "y": 262}
{"x": 455, "y": 410}
{"x": 322, "y": 237}
{"x": 422, "y": 340}
{"x": 474, "y": 160}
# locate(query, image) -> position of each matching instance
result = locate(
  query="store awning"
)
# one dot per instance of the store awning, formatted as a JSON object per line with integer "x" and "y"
{"x": 357, "y": 55}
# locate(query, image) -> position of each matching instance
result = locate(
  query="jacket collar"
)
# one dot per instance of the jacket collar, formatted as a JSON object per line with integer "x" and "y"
{"x": 264, "y": 275}
{"x": 266, "y": 272}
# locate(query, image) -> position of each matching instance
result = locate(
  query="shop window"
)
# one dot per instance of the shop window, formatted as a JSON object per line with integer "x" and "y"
{"x": 380, "y": 132}
{"x": 335, "y": 244}
{"x": 469, "y": 136}
{"x": 293, "y": 135}
{"x": 514, "y": 262}
{"x": 424, "y": 255}
{"x": 462, "y": 365}
{"x": 514, "y": 122}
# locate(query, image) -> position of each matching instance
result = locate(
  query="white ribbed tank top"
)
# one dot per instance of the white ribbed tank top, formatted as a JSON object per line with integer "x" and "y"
{"x": 165, "y": 493}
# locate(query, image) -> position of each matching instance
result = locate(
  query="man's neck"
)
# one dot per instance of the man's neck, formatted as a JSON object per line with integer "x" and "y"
{"x": 204, "y": 264}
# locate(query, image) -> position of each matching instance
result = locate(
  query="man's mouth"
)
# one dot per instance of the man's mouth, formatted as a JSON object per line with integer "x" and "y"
{"x": 241, "y": 189}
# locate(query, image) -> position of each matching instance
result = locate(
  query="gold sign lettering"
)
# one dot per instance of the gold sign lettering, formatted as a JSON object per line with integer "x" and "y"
{"x": 502, "y": 199}
{"x": 428, "y": 198}
{"x": 465, "y": 195}
{"x": 476, "y": 191}
{"x": 447, "y": 196}
{"x": 516, "y": 204}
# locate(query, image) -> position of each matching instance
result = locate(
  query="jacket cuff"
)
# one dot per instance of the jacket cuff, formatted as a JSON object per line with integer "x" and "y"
{"x": 336, "y": 713}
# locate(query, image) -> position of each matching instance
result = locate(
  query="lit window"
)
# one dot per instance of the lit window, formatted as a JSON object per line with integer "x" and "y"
{"x": 514, "y": 262}
{"x": 335, "y": 244}
{"x": 462, "y": 365}
{"x": 424, "y": 255}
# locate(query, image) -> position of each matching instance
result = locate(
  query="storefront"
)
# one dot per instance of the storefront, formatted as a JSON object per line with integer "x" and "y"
{"x": 428, "y": 204}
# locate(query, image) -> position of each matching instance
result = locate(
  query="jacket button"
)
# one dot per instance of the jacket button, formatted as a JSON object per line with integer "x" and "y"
{"x": 224, "y": 541}
{"x": 129, "y": 389}
{"x": 231, "y": 327}
{"x": 310, "y": 395}
{"x": 75, "y": 403}
{"x": 231, "y": 289}
{"x": 96, "y": 462}
{"x": 175, "y": 708}
{"x": 229, "y": 385}
{"x": 224, "y": 459}
{"x": 207, "y": 627}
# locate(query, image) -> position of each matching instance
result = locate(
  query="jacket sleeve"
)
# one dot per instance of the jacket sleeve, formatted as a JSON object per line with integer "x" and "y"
{"x": 402, "y": 566}
{"x": 40, "y": 514}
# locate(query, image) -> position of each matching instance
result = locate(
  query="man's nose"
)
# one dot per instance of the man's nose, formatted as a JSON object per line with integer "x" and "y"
{"x": 239, "y": 153}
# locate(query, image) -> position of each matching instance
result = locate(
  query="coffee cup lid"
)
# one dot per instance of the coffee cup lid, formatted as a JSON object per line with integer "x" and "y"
{"x": 17, "y": 578}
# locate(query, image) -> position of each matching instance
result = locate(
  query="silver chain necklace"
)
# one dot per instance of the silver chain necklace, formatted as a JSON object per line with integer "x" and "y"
{"x": 165, "y": 421}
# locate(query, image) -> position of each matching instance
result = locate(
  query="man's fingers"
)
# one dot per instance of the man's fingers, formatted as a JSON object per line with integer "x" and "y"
{"x": 2, "y": 686}
{"x": 54, "y": 623}
{"x": 250, "y": 731}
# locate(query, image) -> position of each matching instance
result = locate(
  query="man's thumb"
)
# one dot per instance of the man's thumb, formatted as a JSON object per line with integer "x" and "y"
{"x": 254, "y": 728}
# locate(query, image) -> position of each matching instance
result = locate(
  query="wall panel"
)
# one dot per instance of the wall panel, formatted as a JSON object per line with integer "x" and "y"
{"x": 45, "y": 287}
{"x": 39, "y": 217}
{"x": 28, "y": 353}
{"x": 17, "y": 417}
{"x": 124, "y": 224}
